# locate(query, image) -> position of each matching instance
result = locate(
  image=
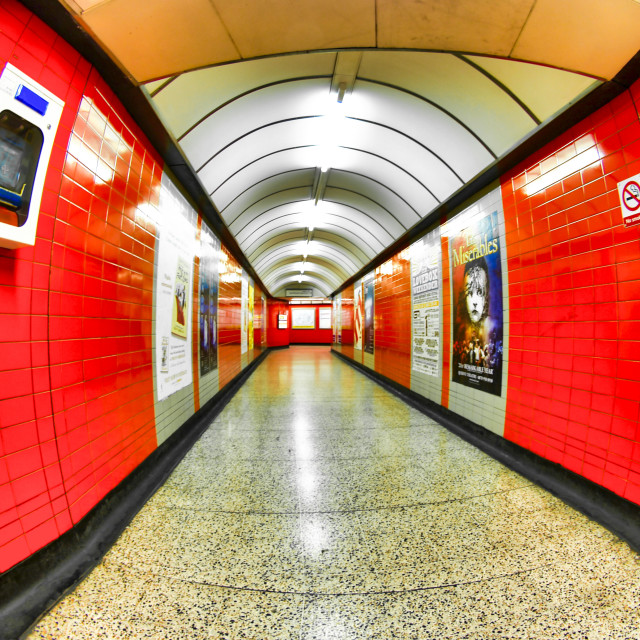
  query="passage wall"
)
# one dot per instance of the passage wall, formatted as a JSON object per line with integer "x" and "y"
{"x": 95, "y": 371}
{"x": 555, "y": 362}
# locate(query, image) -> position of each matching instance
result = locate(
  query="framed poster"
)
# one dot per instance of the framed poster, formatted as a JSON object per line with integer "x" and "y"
{"x": 210, "y": 251}
{"x": 476, "y": 275}
{"x": 282, "y": 321}
{"x": 324, "y": 319}
{"x": 369, "y": 288}
{"x": 358, "y": 313}
{"x": 425, "y": 304}
{"x": 249, "y": 316}
{"x": 303, "y": 317}
{"x": 176, "y": 249}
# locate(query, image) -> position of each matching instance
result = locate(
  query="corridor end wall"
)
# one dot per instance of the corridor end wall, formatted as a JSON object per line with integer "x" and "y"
{"x": 569, "y": 290}
{"x": 88, "y": 390}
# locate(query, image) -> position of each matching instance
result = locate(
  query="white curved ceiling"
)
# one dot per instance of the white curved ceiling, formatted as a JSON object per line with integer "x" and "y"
{"x": 318, "y": 161}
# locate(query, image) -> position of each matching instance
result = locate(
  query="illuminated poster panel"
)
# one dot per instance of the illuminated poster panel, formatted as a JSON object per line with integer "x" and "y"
{"x": 324, "y": 318}
{"x": 209, "y": 269}
{"x": 477, "y": 306}
{"x": 425, "y": 304}
{"x": 175, "y": 254}
{"x": 358, "y": 315}
{"x": 339, "y": 319}
{"x": 369, "y": 289}
{"x": 250, "y": 304}
{"x": 303, "y": 317}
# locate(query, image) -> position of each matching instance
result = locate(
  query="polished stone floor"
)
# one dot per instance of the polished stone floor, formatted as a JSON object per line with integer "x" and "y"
{"x": 318, "y": 505}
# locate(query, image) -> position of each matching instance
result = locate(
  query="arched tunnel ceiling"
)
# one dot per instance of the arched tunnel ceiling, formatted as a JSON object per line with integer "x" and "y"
{"x": 415, "y": 127}
{"x": 322, "y": 134}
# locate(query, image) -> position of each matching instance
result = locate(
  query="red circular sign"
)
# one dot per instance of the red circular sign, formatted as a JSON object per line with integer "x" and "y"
{"x": 631, "y": 196}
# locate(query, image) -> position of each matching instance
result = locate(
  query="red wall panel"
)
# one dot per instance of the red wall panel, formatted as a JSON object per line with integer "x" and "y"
{"x": 312, "y": 336}
{"x": 347, "y": 335}
{"x": 392, "y": 311}
{"x": 573, "y": 394}
{"x": 259, "y": 328}
{"x": 574, "y": 274}
{"x": 77, "y": 409}
{"x": 101, "y": 297}
{"x": 229, "y": 317}
{"x": 33, "y": 504}
{"x": 277, "y": 337}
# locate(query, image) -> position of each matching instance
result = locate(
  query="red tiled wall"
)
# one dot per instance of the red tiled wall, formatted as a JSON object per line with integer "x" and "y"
{"x": 76, "y": 310}
{"x": 347, "y": 322}
{"x": 33, "y": 505}
{"x": 573, "y": 392}
{"x": 312, "y": 336}
{"x": 101, "y": 297}
{"x": 259, "y": 329}
{"x": 229, "y": 317}
{"x": 392, "y": 324}
{"x": 76, "y": 392}
{"x": 574, "y": 279}
{"x": 277, "y": 337}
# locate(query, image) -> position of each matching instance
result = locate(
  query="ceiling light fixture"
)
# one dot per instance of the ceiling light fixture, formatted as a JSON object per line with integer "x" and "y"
{"x": 332, "y": 126}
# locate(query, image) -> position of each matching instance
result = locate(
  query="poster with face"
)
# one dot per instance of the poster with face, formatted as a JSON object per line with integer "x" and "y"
{"x": 358, "y": 313}
{"x": 477, "y": 306}
{"x": 180, "y": 294}
{"x": 210, "y": 248}
{"x": 369, "y": 288}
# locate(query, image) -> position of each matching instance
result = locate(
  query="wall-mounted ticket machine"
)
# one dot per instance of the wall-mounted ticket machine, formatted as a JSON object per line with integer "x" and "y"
{"x": 29, "y": 117}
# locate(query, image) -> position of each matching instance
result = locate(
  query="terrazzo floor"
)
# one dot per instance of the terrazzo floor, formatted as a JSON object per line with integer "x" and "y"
{"x": 318, "y": 505}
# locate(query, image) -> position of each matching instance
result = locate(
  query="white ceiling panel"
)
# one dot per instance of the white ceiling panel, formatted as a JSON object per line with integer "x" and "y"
{"x": 217, "y": 86}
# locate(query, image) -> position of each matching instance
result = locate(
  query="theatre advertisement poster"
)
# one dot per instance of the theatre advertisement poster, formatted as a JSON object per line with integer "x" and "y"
{"x": 425, "y": 304}
{"x": 249, "y": 316}
{"x": 477, "y": 306}
{"x": 209, "y": 257}
{"x": 176, "y": 244}
{"x": 358, "y": 315}
{"x": 369, "y": 289}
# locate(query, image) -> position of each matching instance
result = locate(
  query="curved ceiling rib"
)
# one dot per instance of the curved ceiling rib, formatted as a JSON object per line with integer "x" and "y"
{"x": 311, "y": 262}
{"x": 339, "y": 243}
{"x": 267, "y": 231}
{"x": 245, "y": 94}
{"x": 299, "y": 197}
{"x": 303, "y": 280}
{"x": 224, "y": 165}
{"x": 331, "y": 213}
{"x": 292, "y": 269}
{"x": 276, "y": 250}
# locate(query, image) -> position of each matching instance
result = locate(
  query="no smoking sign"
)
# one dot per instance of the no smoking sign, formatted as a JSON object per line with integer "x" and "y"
{"x": 629, "y": 191}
